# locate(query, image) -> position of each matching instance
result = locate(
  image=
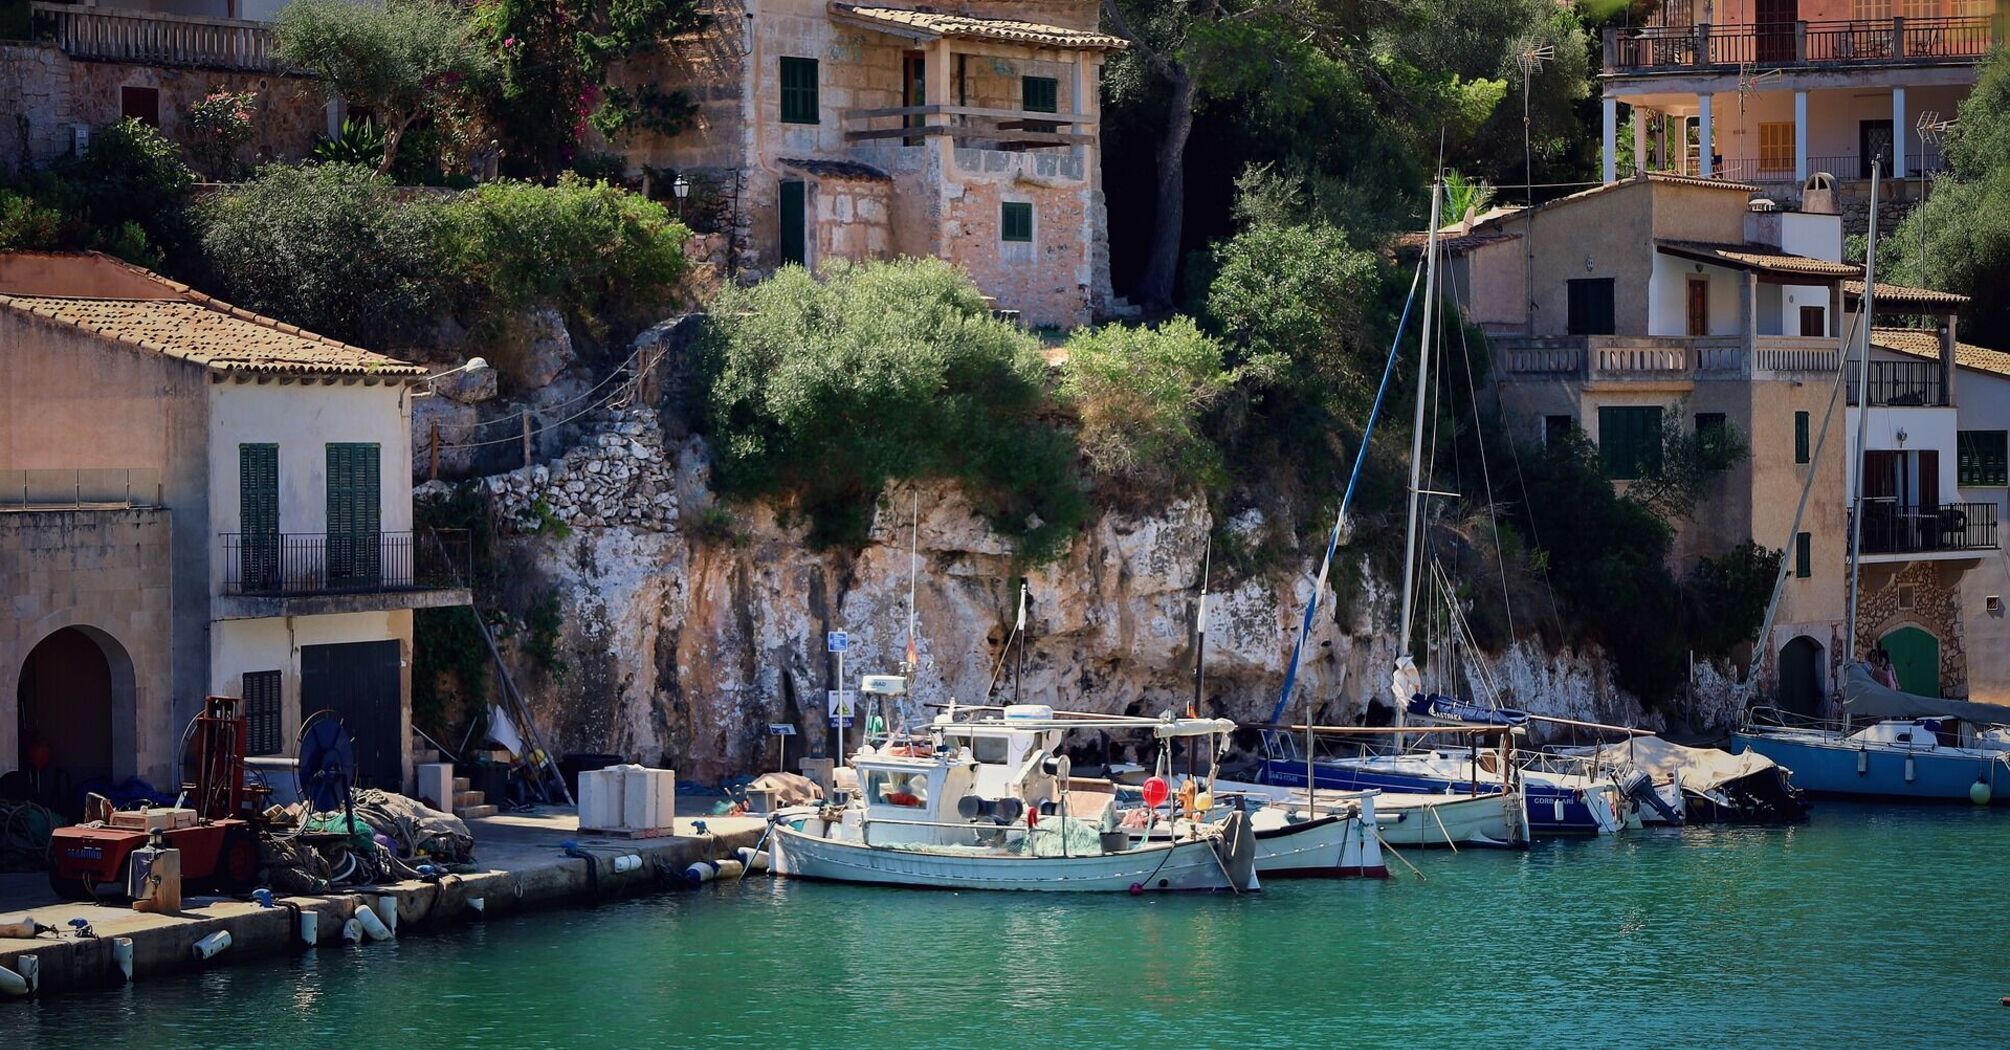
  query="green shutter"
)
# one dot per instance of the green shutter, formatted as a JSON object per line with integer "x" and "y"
{"x": 794, "y": 232}
{"x": 1629, "y": 440}
{"x": 1015, "y": 221}
{"x": 258, "y": 516}
{"x": 1800, "y": 437}
{"x": 1040, "y": 94}
{"x": 799, "y": 91}
{"x": 262, "y": 715}
{"x": 355, "y": 518}
{"x": 1804, "y": 559}
{"x": 1983, "y": 457}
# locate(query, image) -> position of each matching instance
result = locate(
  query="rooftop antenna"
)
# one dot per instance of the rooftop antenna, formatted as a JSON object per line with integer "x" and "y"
{"x": 1931, "y": 129}
{"x": 1749, "y": 83}
{"x": 1529, "y": 54}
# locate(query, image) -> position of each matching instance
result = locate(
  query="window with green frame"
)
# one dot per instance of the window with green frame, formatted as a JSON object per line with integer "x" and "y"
{"x": 1629, "y": 440}
{"x": 1800, "y": 437}
{"x": 799, "y": 91}
{"x": 1015, "y": 222}
{"x": 1983, "y": 456}
{"x": 1040, "y": 94}
{"x": 1804, "y": 556}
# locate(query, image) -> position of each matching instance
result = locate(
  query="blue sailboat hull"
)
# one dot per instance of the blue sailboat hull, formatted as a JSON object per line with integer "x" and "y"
{"x": 1839, "y": 768}
{"x": 1552, "y": 811}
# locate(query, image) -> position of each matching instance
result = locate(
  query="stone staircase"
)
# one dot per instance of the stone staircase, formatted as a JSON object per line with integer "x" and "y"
{"x": 467, "y": 802}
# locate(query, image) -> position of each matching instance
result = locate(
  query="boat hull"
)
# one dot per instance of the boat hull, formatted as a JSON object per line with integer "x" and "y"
{"x": 1339, "y": 844}
{"x": 1553, "y": 810}
{"x": 1838, "y": 768}
{"x": 1184, "y": 866}
{"x": 1440, "y": 821}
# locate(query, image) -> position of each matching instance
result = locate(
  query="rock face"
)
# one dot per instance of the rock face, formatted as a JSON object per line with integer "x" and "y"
{"x": 689, "y": 626}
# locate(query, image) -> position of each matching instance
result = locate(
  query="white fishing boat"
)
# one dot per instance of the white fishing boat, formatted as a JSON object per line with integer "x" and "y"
{"x": 1490, "y": 819}
{"x": 990, "y": 803}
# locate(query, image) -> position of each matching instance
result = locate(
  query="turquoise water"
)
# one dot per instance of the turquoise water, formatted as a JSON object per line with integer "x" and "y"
{"x": 1872, "y": 926}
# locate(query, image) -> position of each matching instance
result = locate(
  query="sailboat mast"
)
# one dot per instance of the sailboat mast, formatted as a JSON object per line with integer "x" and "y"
{"x": 1417, "y": 437}
{"x": 1869, "y": 308}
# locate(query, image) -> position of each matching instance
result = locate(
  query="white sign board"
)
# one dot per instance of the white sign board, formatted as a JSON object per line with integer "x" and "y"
{"x": 836, "y": 642}
{"x": 781, "y": 729}
{"x": 842, "y": 706}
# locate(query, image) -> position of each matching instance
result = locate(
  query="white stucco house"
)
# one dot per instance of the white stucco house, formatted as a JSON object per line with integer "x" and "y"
{"x": 197, "y": 500}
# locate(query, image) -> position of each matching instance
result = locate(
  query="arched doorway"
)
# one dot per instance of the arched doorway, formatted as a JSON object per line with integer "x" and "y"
{"x": 76, "y": 708}
{"x": 1801, "y": 677}
{"x": 1915, "y": 657}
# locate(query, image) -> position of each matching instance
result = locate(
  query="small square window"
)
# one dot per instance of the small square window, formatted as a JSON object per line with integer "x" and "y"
{"x": 1015, "y": 222}
{"x": 142, "y": 104}
{"x": 1804, "y": 556}
{"x": 799, "y": 91}
{"x": 1041, "y": 94}
{"x": 1556, "y": 430}
{"x": 1708, "y": 423}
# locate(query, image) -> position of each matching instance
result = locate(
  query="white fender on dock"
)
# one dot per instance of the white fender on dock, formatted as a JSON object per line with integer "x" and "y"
{"x": 211, "y": 946}
{"x": 122, "y": 954}
{"x": 12, "y": 983}
{"x": 627, "y": 862}
{"x": 372, "y": 925}
{"x": 352, "y": 931}
{"x": 731, "y": 869}
{"x": 310, "y": 928}
{"x": 387, "y": 909}
{"x": 701, "y": 871}
{"x": 755, "y": 860}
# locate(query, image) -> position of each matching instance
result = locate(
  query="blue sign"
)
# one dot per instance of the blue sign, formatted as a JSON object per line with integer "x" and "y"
{"x": 835, "y": 641}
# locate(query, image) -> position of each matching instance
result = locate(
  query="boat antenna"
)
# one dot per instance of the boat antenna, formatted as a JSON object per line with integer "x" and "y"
{"x": 1869, "y": 314}
{"x": 1417, "y": 440}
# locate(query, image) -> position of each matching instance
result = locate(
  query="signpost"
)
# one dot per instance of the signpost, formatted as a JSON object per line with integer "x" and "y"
{"x": 840, "y": 701}
{"x": 781, "y": 731}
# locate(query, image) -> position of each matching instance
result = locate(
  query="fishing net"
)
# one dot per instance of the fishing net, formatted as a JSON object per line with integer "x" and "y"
{"x": 1063, "y": 837}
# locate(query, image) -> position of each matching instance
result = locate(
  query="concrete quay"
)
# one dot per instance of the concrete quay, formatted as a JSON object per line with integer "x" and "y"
{"x": 524, "y": 866}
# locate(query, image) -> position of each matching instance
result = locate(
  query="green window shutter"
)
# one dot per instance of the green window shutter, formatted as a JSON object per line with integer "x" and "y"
{"x": 1629, "y": 440}
{"x": 1015, "y": 221}
{"x": 355, "y": 516}
{"x": 794, "y": 230}
{"x": 1040, "y": 94}
{"x": 1588, "y": 306}
{"x": 799, "y": 91}
{"x": 1804, "y": 559}
{"x": 262, "y": 716}
{"x": 258, "y": 516}
{"x": 1800, "y": 437}
{"x": 1983, "y": 457}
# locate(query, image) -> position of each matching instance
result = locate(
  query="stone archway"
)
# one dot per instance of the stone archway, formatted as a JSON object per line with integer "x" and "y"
{"x": 1801, "y": 666}
{"x": 76, "y": 703}
{"x": 1915, "y": 658}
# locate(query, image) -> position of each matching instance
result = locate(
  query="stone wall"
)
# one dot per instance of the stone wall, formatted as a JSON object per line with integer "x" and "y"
{"x": 54, "y": 92}
{"x": 1921, "y": 594}
{"x": 618, "y": 476}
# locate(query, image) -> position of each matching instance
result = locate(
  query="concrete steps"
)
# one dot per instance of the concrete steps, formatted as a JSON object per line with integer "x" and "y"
{"x": 470, "y": 804}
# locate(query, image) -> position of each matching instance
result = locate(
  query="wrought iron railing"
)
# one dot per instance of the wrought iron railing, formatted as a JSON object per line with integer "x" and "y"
{"x": 1891, "y": 527}
{"x": 147, "y": 38}
{"x": 1901, "y": 384}
{"x": 1878, "y": 40}
{"x": 334, "y": 563}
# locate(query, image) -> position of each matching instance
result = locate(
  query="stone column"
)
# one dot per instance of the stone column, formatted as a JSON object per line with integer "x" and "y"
{"x": 1640, "y": 117}
{"x": 1801, "y": 137}
{"x": 1705, "y": 136}
{"x": 1899, "y": 128}
{"x": 1611, "y": 140}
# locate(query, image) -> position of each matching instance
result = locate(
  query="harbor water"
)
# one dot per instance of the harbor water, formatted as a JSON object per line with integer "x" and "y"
{"x": 1874, "y": 926}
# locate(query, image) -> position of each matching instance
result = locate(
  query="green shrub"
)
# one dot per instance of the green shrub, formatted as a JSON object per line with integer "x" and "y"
{"x": 592, "y": 250}
{"x": 28, "y": 226}
{"x": 127, "y": 195}
{"x": 823, "y": 390}
{"x": 1295, "y": 299}
{"x": 333, "y": 248}
{"x": 1140, "y": 394}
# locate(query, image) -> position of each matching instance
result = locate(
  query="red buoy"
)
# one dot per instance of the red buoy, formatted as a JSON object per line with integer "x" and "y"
{"x": 1157, "y": 791}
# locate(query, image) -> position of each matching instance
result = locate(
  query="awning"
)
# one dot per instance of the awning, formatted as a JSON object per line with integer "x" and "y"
{"x": 1865, "y": 698}
{"x": 1758, "y": 257}
{"x": 931, "y": 25}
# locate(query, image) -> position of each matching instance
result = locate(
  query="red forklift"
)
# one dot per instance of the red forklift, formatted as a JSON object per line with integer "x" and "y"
{"x": 214, "y": 828}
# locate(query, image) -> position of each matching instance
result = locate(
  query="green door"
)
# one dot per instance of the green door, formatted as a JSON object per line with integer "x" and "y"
{"x": 1915, "y": 656}
{"x": 257, "y": 517}
{"x": 793, "y": 230}
{"x": 354, "y": 525}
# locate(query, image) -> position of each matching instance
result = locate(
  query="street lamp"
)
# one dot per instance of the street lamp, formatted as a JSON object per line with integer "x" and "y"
{"x": 474, "y": 365}
{"x": 680, "y": 188}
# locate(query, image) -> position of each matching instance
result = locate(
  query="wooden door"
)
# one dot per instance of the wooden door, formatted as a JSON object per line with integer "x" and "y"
{"x": 360, "y": 682}
{"x": 913, "y": 90}
{"x": 1883, "y": 477}
{"x": 795, "y": 235}
{"x": 1699, "y": 306}
{"x": 1927, "y": 472}
{"x": 1915, "y": 657}
{"x": 1874, "y": 146}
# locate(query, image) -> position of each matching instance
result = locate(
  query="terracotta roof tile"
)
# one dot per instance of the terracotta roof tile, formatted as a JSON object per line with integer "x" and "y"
{"x": 1760, "y": 257}
{"x": 1901, "y": 295}
{"x": 934, "y": 25}
{"x": 1918, "y": 342}
{"x": 214, "y": 335}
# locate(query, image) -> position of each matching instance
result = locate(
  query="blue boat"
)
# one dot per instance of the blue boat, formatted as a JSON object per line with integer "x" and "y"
{"x": 1919, "y": 747}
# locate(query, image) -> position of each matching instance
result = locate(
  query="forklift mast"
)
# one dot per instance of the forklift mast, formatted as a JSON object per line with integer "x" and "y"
{"x": 218, "y": 791}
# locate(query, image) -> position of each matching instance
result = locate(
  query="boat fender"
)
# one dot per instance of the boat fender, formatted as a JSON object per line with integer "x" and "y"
{"x": 352, "y": 931}
{"x": 627, "y": 862}
{"x": 1862, "y": 762}
{"x": 1138, "y": 890}
{"x": 122, "y": 956}
{"x": 211, "y": 946}
{"x": 16, "y": 983}
{"x": 309, "y": 927}
{"x": 701, "y": 871}
{"x": 755, "y": 860}
{"x": 387, "y": 909}
{"x": 1978, "y": 792}
{"x": 730, "y": 869}
{"x": 372, "y": 925}
{"x": 1911, "y": 770}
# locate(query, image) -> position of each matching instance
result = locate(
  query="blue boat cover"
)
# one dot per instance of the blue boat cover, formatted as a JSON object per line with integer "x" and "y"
{"x": 1445, "y": 709}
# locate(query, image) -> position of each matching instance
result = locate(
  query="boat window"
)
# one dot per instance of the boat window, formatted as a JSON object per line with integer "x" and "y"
{"x": 990, "y": 750}
{"x": 905, "y": 790}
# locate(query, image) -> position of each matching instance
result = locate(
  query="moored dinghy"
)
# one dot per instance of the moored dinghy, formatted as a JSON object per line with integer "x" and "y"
{"x": 990, "y": 803}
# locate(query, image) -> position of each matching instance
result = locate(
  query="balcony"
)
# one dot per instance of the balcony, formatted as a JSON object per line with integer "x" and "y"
{"x": 1620, "y": 357}
{"x": 1902, "y": 384}
{"x": 1890, "y": 528}
{"x": 146, "y": 38}
{"x": 1841, "y": 165}
{"x": 1918, "y": 41}
{"x": 302, "y": 574}
{"x": 968, "y": 127}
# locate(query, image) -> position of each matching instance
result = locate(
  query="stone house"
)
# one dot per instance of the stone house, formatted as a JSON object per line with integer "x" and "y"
{"x": 1666, "y": 301}
{"x": 828, "y": 130}
{"x": 197, "y": 500}
{"x": 1773, "y": 91}
{"x": 82, "y": 66}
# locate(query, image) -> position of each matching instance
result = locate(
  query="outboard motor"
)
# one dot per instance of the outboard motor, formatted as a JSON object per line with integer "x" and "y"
{"x": 1639, "y": 786}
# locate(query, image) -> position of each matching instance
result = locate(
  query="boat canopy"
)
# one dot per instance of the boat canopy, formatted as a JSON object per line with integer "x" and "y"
{"x": 1164, "y": 728}
{"x": 1701, "y": 768}
{"x": 1865, "y": 698}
